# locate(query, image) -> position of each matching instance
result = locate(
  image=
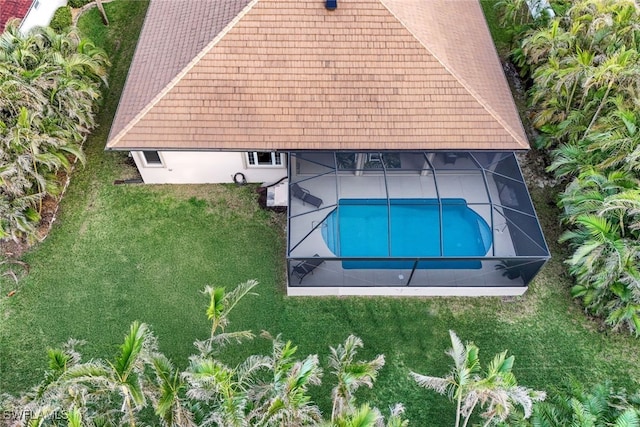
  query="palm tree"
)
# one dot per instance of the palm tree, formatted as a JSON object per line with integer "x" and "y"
{"x": 222, "y": 391}
{"x": 598, "y": 244}
{"x": 605, "y": 211}
{"x": 18, "y": 217}
{"x": 587, "y": 193}
{"x": 21, "y": 89}
{"x": 221, "y": 303}
{"x": 167, "y": 394}
{"x": 284, "y": 398}
{"x": 570, "y": 159}
{"x": 573, "y": 405}
{"x": 49, "y": 87}
{"x": 123, "y": 378}
{"x": 618, "y": 138}
{"x": 52, "y": 396}
{"x": 262, "y": 391}
{"x": 550, "y": 41}
{"x": 604, "y": 264}
{"x": 608, "y": 24}
{"x": 624, "y": 308}
{"x": 561, "y": 77}
{"x": 367, "y": 416}
{"x": 620, "y": 71}
{"x": 579, "y": 62}
{"x": 623, "y": 207}
{"x": 350, "y": 374}
{"x": 585, "y": 92}
{"x": 496, "y": 390}
{"x": 512, "y": 13}
{"x": 576, "y": 68}
{"x": 35, "y": 154}
{"x": 459, "y": 382}
{"x": 74, "y": 418}
{"x": 363, "y": 416}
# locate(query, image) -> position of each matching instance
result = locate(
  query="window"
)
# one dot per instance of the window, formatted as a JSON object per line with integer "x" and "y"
{"x": 346, "y": 160}
{"x": 264, "y": 159}
{"x": 152, "y": 158}
{"x": 375, "y": 158}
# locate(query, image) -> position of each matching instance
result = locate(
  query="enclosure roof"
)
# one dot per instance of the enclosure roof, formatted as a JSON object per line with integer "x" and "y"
{"x": 291, "y": 75}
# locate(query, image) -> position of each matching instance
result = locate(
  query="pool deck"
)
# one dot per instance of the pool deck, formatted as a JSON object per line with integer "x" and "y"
{"x": 331, "y": 273}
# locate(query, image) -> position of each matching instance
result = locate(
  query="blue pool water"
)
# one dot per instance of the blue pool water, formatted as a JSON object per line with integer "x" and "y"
{"x": 363, "y": 230}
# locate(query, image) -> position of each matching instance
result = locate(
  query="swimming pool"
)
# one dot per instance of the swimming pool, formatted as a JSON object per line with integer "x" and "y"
{"x": 361, "y": 228}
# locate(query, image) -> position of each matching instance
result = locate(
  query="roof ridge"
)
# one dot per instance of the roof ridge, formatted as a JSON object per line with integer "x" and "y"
{"x": 175, "y": 80}
{"x": 460, "y": 80}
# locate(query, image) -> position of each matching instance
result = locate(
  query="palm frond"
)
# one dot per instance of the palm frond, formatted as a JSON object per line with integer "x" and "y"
{"x": 437, "y": 384}
{"x": 239, "y": 292}
{"x": 395, "y": 416}
{"x": 131, "y": 349}
{"x": 364, "y": 416}
{"x": 628, "y": 418}
{"x": 457, "y": 352}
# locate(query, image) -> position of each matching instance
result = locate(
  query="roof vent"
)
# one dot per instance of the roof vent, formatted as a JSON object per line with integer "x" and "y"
{"x": 331, "y": 4}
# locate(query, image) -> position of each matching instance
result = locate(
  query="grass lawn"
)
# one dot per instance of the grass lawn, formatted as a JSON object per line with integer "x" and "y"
{"x": 501, "y": 37}
{"x": 121, "y": 253}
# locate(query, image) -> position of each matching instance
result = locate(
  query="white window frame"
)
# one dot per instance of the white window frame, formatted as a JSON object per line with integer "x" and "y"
{"x": 146, "y": 164}
{"x": 273, "y": 165}
{"x": 374, "y": 157}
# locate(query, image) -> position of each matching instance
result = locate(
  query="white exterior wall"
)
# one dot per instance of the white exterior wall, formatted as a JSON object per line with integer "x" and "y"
{"x": 407, "y": 291}
{"x": 201, "y": 167}
{"x": 40, "y": 14}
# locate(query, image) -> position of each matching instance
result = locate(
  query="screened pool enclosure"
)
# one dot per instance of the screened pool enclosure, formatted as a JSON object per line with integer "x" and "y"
{"x": 409, "y": 220}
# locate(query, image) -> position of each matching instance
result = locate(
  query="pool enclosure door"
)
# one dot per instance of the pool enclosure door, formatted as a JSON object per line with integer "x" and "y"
{"x": 393, "y": 221}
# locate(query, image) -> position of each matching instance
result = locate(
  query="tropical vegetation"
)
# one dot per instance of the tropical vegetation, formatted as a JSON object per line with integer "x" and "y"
{"x": 495, "y": 391}
{"x": 271, "y": 390}
{"x": 78, "y": 3}
{"x": 50, "y": 85}
{"x": 121, "y": 253}
{"x": 575, "y": 405}
{"x": 62, "y": 19}
{"x": 583, "y": 68}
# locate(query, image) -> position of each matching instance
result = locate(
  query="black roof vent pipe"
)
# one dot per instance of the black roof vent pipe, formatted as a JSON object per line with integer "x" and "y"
{"x": 331, "y": 4}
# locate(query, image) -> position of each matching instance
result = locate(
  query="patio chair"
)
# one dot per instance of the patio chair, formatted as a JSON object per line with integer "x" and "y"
{"x": 304, "y": 195}
{"x": 307, "y": 266}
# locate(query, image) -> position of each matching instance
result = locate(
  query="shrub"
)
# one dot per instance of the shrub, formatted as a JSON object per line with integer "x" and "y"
{"x": 38, "y": 135}
{"x": 61, "y": 19}
{"x": 77, "y": 3}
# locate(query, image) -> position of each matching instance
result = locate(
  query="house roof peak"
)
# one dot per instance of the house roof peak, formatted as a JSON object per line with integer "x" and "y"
{"x": 286, "y": 75}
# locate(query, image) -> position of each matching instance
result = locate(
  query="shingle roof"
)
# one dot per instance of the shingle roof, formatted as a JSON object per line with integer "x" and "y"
{"x": 12, "y": 9}
{"x": 173, "y": 34}
{"x": 289, "y": 75}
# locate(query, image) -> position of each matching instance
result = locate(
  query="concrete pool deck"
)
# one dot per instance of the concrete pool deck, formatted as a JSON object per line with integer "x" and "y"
{"x": 329, "y": 273}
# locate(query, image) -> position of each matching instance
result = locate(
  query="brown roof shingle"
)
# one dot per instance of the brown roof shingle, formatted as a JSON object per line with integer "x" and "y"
{"x": 288, "y": 75}
{"x": 174, "y": 33}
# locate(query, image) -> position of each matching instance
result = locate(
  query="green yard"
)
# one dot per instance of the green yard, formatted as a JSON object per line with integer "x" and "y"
{"x": 124, "y": 253}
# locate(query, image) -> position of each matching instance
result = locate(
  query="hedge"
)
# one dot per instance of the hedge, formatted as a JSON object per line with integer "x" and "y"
{"x": 78, "y": 3}
{"x": 61, "y": 19}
